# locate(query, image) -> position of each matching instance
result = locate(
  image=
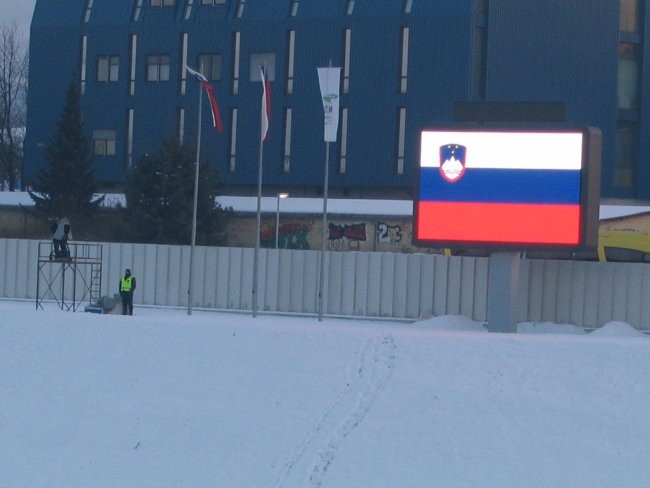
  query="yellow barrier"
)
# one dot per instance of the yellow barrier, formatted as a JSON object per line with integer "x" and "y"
{"x": 621, "y": 245}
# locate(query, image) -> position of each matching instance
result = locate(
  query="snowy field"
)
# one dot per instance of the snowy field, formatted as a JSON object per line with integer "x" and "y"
{"x": 161, "y": 399}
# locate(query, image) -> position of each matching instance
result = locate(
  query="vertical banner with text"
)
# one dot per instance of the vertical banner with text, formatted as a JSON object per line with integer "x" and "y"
{"x": 330, "y": 80}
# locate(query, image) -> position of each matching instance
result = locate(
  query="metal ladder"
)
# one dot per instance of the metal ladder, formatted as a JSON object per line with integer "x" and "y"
{"x": 95, "y": 285}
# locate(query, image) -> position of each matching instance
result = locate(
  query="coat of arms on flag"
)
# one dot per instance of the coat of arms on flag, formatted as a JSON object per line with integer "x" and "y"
{"x": 452, "y": 162}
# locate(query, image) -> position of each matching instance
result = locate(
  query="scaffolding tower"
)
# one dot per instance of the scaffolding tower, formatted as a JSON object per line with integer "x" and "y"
{"x": 69, "y": 281}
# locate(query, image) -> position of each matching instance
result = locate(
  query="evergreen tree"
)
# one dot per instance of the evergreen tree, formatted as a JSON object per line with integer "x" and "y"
{"x": 160, "y": 196}
{"x": 66, "y": 186}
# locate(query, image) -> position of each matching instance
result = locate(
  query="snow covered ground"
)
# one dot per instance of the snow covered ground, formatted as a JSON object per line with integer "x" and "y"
{"x": 162, "y": 399}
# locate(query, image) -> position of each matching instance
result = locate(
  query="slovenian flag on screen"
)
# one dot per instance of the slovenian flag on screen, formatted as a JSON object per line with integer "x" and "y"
{"x": 214, "y": 108}
{"x": 500, "y": 187}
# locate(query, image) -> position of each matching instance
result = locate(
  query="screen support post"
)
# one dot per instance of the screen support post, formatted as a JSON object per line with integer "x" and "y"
{"x": 503, "y": 288}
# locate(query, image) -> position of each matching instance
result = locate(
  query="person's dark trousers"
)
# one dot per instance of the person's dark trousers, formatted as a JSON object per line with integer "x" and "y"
{"x": 61, "y": 249}
{"x": 127, "y": 303}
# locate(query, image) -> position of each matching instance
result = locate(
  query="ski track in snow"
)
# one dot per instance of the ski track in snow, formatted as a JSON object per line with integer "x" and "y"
{"x": 368, "y": 374}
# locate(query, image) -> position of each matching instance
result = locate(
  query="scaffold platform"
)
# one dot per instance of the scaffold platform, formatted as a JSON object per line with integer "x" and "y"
{"x": 69, "y": 281}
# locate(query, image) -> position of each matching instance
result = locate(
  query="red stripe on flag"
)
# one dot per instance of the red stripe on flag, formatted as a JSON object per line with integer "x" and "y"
{"x": 267, "y": 93}
{"x": 499, "y": 223}
{"x": 216, "y": 116}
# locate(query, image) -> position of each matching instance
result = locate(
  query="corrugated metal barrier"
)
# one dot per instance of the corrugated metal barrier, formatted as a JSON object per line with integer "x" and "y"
{"x": 399, "y": 286}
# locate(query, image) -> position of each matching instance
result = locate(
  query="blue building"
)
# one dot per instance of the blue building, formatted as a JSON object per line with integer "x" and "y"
{"x": 404, "y": 65}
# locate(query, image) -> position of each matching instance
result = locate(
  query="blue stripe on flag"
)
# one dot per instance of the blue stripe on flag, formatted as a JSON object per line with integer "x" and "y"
{"x": 503, "y": 186}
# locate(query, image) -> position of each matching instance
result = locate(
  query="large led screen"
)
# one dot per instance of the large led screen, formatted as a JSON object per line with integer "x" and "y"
{"x": 507, "y": 188}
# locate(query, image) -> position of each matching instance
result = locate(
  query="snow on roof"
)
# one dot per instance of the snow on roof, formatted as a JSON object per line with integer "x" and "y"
{"x": 335, "y": 206}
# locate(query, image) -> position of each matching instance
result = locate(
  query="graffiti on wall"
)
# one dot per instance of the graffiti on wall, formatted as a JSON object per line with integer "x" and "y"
{"x": 389, "y": 234}
{"x": 343, "y": 237}
{"x": 292, "y": 235}
{"x": 341, "y": 234}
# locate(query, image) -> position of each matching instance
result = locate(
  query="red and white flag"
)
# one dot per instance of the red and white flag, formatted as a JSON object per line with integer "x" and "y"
{"x": 214, "y": 108}
{"x": 266, "y": 104}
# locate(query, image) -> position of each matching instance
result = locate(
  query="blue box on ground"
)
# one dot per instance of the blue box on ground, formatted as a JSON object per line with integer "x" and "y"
{"x": 93, "y": 309}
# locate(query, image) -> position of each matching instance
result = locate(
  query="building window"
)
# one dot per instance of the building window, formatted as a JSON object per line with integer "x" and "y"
{"x": 136, "y": 11}
{"x": 233, "y": 139}
{"x": 240, "y": 9}
{"x": 347, "y": 43}
{"x": 188, "y": 9}
{"x": 235, "y": 65}
{"x": 408, "y": 4}
{"x": 108, "y": 68}
{"x": 405, "y": 61}
{"x": 89, "y": 8}
{"x": 161, "y": 3}
{"x": 213, "y": 2}
{"x": 184, "y": 42}
{"x": 210, "y": 66}
{"x": 344, "y": 141}
{"x": 104, "y": 142}
{"x": 630, "y": 16}
{"x": 181, "y": 125}
{"x": 84, "y": 51}
{"x": 134, "y": 48}
{"x": 262, "y": 59}
{"x": 158, "y": 67}
{"x": 350, "y": 8}
{"x": 401, "y": 139}
{"x": 626, "y": 155}
{"x": 628, "y": 76}
{"x": 294, "y": 8}
{"x": 286, "y": 166}
{"x": 129, "y": 138}
{"x": 291, "y": 54}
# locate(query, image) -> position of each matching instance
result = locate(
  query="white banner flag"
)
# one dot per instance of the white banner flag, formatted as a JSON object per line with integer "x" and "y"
{"x": 330, "y": 80}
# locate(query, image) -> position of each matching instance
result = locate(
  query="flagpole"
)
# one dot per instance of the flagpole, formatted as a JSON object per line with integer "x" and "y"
{"x": 258, "y": 227}
{"x": 321, "y": 285}
{"x": 264, "y": 127}
{"x": 196, "y": 197}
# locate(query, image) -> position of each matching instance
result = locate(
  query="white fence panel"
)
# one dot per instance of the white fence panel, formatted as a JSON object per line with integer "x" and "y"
{"x": 481, "y": 290}
{"x": 373, "y": 300}
{"x": 311, "y": 272}
{"x": 334, "y": 284}
{"x": 209, "y": 267}
{"x": 407, "y": 286}
{"x": 361, "y": 275}
{"x": 387, "y": 282}
{"x": 426, "y": 286}
{"x": 235, "y": 282}
{"x": 297, "y": 282}
{"x": 413, "y": 285}
{"x": 578, "y": 291}
{"x": 440, "y": 285}
{"x": 348, "y": 276}
{"x": 645, "y": 293}
{"x": 592, "y": 292}
{"x": 399, "y": 284}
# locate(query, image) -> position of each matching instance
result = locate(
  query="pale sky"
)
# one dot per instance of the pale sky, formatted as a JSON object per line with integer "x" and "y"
{"x": 19, "y": 11}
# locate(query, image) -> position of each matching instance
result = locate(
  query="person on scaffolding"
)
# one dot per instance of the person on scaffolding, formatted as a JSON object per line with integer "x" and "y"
{"x": 60, "y": 238}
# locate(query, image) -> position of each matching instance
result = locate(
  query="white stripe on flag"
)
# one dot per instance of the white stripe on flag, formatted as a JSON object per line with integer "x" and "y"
{"x": 266, "y": 94}
{"x": 196, "y": 74}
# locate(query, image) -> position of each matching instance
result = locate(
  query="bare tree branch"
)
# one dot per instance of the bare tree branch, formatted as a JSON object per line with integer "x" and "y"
{"x": 14, "y": 64}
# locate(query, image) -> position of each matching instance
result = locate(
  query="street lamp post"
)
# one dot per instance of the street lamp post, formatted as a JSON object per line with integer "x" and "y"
{"x": 277, "y": 219}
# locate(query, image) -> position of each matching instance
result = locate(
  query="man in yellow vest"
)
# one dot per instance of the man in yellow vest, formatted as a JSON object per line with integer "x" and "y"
{"x": 127, "y": 286}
